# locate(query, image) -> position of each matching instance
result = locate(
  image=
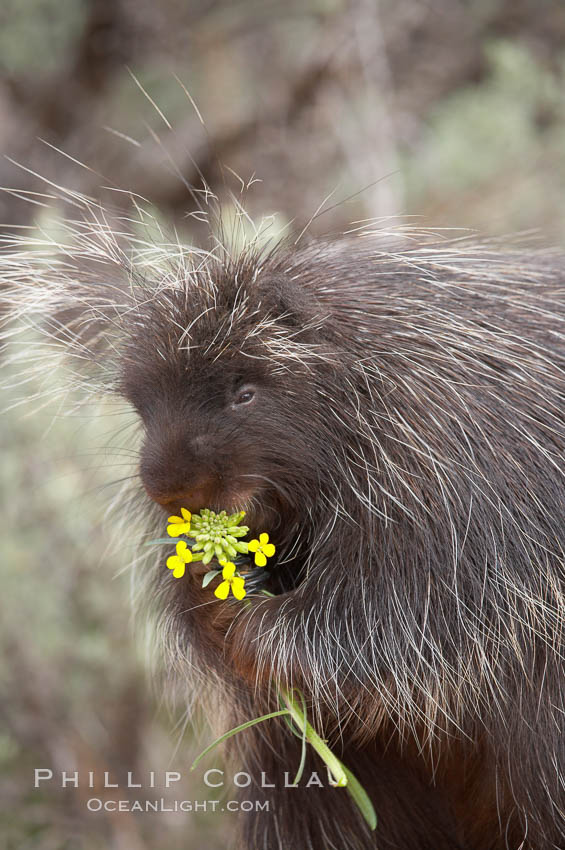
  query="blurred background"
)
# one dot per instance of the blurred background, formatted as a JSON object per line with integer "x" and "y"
{"x": 448, "y": 111}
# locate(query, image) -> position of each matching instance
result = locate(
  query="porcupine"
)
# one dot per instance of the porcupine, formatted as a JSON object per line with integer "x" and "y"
{"x": 393, "y": 417}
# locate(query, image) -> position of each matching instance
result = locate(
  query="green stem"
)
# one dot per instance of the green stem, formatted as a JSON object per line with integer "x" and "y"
{"x": 298, "y": 715}
{"x": 343, "y": 777}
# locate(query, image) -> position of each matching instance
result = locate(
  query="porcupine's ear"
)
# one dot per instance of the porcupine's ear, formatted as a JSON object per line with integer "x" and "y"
{"x": 296, "y": 306}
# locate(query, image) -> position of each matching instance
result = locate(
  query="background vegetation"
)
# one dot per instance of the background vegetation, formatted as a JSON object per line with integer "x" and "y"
{"x": 446, "y": 110}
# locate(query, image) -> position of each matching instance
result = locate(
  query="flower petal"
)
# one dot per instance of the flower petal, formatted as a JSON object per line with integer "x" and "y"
{"x": 238, "y": 587}
{"x": 228, "y": 570}
{"x": 253, "y": 545}
{"x": 174, "y": 530}
{"x": 184, "y": 552}
{"x": 222, "y": 590}
{"x": 263, "y": 538}
{"x": 269, "y": 550}
{"x": 186, "y": 514}
{"x": 174, "y": 519}
{"x": 260, "y": 559}
{"x": 178, "y": 572}
{"x": 173, "y": 562}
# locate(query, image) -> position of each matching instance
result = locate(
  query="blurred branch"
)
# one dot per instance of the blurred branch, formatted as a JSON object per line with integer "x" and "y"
{"x": 60, "y": 106}
{"x": 206, "y": 166}
{"x": 368, "y": 76}
{"x": 57, "y": 104}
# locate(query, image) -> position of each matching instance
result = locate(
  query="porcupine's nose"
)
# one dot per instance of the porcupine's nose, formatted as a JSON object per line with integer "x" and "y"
{"x": 176, "y": 473}
{"x": 194, "y": 499}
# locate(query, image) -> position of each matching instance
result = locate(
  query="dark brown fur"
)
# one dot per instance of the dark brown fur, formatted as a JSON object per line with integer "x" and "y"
{"x": 405, "y": 451}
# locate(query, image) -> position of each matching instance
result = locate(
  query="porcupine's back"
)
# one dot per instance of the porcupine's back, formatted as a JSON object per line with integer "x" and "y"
{"x": 452, "y": 435}
{"x": 430, "y": 590}
{"x": 450, "y": 428}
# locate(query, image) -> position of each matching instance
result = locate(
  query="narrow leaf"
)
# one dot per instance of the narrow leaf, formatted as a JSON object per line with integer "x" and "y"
{"x": 209, "y": 576}
{"x": 360, "y": 798}
{"x": 169, "y": 540}
{"x": 233, "y": 732}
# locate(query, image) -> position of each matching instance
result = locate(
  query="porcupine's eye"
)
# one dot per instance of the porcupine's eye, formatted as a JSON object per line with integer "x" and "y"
{"x": 245, "y": 395}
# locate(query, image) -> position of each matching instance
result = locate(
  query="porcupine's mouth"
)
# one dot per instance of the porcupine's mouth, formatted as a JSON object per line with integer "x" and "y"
{"x": 281, "y": 574}
{"x": 287, "y": 569}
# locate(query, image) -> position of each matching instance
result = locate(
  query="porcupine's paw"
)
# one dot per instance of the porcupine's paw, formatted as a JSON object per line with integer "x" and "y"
{"x": 231, "y": 627}
{"x": 213, "y": 616}
{"x": 252, "y": 638}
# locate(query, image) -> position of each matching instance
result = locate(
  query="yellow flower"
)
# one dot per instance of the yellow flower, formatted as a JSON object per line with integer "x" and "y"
{"x": 179, "y": 524}
{"x": 177, "y": 562}
{"x": 237, "y": 583}
{"x": 262, "y": 548}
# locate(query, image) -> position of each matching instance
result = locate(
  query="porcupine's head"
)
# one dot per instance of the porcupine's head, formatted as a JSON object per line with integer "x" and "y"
{"x": 227, "y": 368}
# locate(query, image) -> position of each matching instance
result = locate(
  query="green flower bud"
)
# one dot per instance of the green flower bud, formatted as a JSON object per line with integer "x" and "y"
{"x": 217, "y": 535}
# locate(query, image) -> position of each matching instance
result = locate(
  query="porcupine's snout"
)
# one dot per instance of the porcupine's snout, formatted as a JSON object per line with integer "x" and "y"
{"x": 178, "y": 471}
